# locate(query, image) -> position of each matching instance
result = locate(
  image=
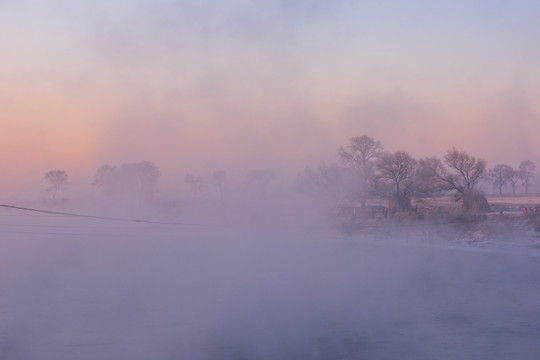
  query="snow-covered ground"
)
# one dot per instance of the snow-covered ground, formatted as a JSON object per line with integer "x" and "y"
{"x": 82, "y": 288}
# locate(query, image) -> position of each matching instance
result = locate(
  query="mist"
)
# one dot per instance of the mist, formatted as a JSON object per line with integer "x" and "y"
{"x": 254, "y": 279}
{"x": 207, "y": 213}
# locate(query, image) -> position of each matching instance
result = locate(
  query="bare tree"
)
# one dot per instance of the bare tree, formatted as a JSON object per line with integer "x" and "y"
{"x": 331, "y": 184}
{"x": 500, "y": 176}
{"x": 396, "y": 177}
{"x": 360, "y": 153}
{"x": 196, "y": 183}
{"x": 145, "y": 176}
{"x": 433, "y": 175}
{"x": 514, "y": 179}
{"x": 58, "y": 181}
{"x": 105, "y": 176}
{"x": 467, "y": 171}
{"x": 527, "y": 169}
{"x": 132, "y": 178}
{"x": 460, "y": 173}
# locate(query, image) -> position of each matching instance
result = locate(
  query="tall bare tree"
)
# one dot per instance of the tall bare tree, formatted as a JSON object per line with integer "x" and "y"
{"x": 360, "y": 153}
{"x": 460, "y": 173}
{"x": 500, "y": 175}
{"x": 468, "y": 171}
{"x": 433, "y": 174}
{"x": 58, "y": 181}
{"x": 514, "y": 179}
{"x": 396, "y": 177}
{"x": 527, "y": 168}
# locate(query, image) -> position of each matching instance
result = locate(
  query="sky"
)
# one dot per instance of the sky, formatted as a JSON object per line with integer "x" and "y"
{"x": 196, "y": 86}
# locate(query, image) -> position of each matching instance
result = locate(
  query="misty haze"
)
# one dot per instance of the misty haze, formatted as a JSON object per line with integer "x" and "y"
{"x": 337, "y": 265}
{"x": 269, "y": 180}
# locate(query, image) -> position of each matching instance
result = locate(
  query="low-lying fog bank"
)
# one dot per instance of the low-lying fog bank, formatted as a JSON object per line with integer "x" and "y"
{"x": 75, "y": 288}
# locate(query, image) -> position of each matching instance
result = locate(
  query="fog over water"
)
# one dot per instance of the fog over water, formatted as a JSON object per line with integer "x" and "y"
{"x": 76, "y": 288}
{"x": 187, "y": 130}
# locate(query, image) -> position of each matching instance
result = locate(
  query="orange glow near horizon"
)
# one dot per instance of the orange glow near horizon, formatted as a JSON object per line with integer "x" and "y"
{"x": 76, "y": 133}
{"x": 90, "y": 84}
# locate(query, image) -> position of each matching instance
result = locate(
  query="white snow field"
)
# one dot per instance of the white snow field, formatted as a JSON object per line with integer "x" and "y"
{"x": 76, "y": 288}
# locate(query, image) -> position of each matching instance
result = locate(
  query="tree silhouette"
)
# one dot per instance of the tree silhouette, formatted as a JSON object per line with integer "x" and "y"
{"x": 500, "y": 176}
{"x": 197, "y": 184}
{"x": 527, "y": 169}
{"x": 396, "y": 177}
{"x": 333, "y": 185}
{"x": 360, "y": 153}
{"x": 58, "y": 181}
{"x": 460, "y": 173}
{"x": 514, "y": 178}
{"x": 129, "y": 179}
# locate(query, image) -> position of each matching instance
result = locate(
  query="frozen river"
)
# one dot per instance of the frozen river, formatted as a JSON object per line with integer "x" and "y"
{"x": 86, "y": 289}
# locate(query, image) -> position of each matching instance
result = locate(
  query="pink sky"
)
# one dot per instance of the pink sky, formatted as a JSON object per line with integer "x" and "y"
{"x": 200, "y": 87}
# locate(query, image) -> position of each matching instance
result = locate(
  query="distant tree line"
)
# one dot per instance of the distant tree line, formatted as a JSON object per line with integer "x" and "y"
{"x": 367, "y": 171}
{"x": 139, "y": 181}
{"x": 364, "y": 171}
{"x": 502, "y": 175}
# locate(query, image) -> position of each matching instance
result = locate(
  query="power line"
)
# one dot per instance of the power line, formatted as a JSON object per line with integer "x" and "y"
{"x": 39, "y": 233}
{"x": 108, "y": 218}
